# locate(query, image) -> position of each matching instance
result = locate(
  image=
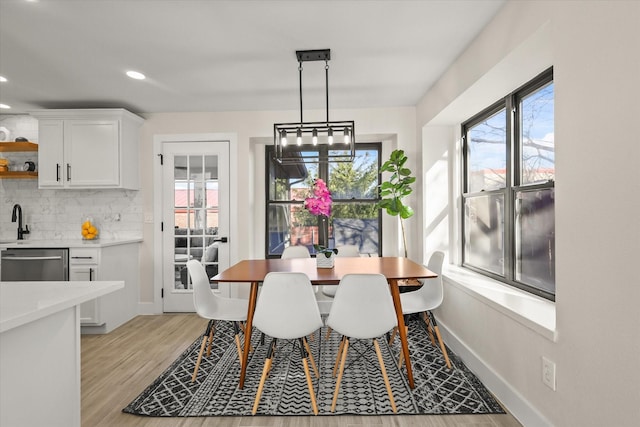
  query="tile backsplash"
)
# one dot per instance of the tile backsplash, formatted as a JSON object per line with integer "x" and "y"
{"x": 59, "y": 214}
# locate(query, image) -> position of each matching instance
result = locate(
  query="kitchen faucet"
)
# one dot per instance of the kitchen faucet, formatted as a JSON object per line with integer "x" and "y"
{"x": 17, "y": 215}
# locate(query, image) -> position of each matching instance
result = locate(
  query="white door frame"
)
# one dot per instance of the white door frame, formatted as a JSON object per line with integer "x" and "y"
{"x": 158, "y": 140}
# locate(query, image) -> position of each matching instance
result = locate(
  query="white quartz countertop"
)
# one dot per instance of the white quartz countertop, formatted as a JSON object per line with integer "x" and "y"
{"x": 69, "y": 243}
{"x": 25, "y": 302}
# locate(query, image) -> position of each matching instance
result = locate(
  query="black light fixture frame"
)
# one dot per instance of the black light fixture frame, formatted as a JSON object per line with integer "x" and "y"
{"x": 339, "y": 150}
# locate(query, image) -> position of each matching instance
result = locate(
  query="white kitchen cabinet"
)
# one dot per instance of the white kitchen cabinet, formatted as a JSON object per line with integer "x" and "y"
{"x": 96, "y": 148}
{"x": 83, "y": 267}
{"x": 116, "y": 262}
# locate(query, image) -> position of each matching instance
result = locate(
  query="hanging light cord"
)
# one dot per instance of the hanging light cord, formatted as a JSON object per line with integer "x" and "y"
{"x": 326, "y": 86}
{"x": 300, "y": 80}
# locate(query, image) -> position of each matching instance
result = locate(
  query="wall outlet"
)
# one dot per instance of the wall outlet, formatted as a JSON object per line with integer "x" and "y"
{"x": 549, "y": 373}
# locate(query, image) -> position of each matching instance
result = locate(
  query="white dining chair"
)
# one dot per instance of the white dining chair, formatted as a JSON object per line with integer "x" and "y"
{"x": 286, "y": 309}
{"x": 427, "y": 298}
{"x": 362, "y": 309}
{"x": 213, "y": 307}
{"x": 295, "y": 252}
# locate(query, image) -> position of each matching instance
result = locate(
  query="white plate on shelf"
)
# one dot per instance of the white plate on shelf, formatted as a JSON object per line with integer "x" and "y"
{"x": 5, "y": 135}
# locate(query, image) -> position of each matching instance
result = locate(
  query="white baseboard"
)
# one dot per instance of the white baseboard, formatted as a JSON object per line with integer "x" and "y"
{"x": 147, "y": 308}
{"x": 515, "y": 403}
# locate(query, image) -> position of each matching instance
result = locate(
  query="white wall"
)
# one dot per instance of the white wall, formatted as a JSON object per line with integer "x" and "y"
{"x": 396, "y": 126}
{"x": 593, "y": 46}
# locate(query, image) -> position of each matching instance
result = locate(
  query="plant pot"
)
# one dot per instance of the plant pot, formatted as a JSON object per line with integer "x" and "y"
{"x": 323, "y": 262}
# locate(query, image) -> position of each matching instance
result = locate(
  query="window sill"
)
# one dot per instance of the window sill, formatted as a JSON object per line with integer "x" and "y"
{"x": 529, "y": 310}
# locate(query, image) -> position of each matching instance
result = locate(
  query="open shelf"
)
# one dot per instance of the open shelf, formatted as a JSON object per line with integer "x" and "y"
{"x": 18, "y": 175}
{"x": 9, "y": 146}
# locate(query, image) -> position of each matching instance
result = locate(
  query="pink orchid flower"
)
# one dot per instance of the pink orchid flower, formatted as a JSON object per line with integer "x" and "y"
{"x": 320, "y": 204}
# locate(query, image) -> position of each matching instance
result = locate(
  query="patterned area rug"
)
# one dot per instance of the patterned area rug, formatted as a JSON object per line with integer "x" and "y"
{"x": 438, "y": 390}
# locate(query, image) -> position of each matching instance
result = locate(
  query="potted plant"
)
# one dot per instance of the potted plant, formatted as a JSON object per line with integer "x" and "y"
{"x": 396, "y": 188}
{"x": 325, "y": 256}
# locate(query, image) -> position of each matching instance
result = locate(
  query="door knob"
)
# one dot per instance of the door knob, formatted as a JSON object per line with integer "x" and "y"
{"x": 221, "y": 239}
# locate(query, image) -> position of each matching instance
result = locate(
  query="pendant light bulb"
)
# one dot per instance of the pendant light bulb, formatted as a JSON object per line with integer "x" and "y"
{"x": 330, "y": 139}
{"x": 299, "y": 136}
{"x": 347, "y": 140}
{"x": 314, "y": 138}
{"x": 283, "y": 138}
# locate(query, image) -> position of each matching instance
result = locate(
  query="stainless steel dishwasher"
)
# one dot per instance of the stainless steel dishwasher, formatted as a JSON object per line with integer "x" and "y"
{"x": 34, "y": 264}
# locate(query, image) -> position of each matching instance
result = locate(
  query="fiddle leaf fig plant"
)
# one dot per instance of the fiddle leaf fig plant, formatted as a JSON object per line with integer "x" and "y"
{"x": 396, "y": 188}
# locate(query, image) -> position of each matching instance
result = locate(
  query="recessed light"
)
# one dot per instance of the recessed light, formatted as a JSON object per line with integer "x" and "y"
{"x": 3, "y": 79}
{"x": 136, "y": 75}
{"x": 5, "y": 106}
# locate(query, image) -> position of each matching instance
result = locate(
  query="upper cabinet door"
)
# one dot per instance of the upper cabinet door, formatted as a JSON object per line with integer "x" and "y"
{"x": 95, "y": 148}
{"x": 50, "y": 154}
{"x": 92, "y": 153}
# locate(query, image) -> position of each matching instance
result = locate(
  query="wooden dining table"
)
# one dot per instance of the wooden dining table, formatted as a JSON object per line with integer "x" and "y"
{"x": 394, "y": 269}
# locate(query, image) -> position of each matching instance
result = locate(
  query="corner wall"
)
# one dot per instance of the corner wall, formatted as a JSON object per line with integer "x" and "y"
{"x": 593, "y": 46}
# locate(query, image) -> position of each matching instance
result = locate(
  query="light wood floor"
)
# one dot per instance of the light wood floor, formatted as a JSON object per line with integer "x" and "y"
{"x": 116, "y": 367}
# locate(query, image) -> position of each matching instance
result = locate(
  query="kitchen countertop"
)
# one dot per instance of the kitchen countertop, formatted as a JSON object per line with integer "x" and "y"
{"x": 67, "y": 243}
{"x": 25, "y": 302}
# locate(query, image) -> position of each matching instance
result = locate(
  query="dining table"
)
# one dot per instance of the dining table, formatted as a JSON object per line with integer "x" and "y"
{"x": 395, "y": 269}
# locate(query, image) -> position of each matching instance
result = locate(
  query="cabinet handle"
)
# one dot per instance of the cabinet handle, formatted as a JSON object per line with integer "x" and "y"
{"x": 91, "y": 274}
{"x": 57, "y": 171}
{"x": 68, "y": 172}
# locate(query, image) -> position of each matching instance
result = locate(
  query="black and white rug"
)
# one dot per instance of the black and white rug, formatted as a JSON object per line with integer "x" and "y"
{"x": 215, "y": 392}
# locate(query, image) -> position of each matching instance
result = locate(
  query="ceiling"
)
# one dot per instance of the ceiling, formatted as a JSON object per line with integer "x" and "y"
{"x": 228, "y": 55}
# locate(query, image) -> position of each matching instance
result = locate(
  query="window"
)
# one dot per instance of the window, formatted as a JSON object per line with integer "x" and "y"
{"x": 354, "y": 218}
{"x": 508, "y": 190}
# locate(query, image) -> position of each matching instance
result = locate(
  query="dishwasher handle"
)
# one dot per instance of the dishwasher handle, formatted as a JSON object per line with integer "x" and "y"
{"x": 31, "y": 258}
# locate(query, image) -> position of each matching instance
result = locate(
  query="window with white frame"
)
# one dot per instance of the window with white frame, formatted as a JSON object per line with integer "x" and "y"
{"x": 508, "y": 222}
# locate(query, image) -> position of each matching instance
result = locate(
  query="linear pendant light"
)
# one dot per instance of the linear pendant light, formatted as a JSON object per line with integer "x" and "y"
{"x": 314, "y": 133}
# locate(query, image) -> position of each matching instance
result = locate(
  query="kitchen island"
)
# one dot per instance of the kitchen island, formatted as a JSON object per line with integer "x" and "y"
{"x": 40, "y": 350}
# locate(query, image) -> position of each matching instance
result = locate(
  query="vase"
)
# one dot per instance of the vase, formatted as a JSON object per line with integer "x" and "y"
{"x": 323, "y": 230}
{"x": 323, "y": 262}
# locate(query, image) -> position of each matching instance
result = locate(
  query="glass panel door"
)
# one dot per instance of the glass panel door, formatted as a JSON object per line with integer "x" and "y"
{"x": 195, "y": 217}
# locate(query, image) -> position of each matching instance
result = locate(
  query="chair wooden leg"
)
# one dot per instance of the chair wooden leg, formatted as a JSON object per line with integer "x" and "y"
{"x": 195, "y": 370}
{"x": 314, "y": 405}
{"x": 393, "y": 335}
{"x": 208, "y": 335}
{"x": 384, "y": 375}
{"x": 265, "y": 373}
{"x": 442, "y": 347}
{"x": 429, "y": 327}
{"x": 342, "y": 364}
{"x": 313, "y": 362}
{"x": 210, "y": 343}
{"x": 263, "y": 378}
{"x": 401, "y": 360}
{"x": 239, "y": 348}
{"x": 328, "y": 333}
{"x": 340, "y": 349}
{"x": 237, "y": 328}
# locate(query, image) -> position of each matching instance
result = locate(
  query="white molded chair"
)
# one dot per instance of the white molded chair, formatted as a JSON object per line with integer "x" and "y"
{"x": 210, "y": 306}
{"x": 427, "y": 298}
{"x": 286, "y": 309}
{"x": 362, "y": 309}
{"x": 295, "y": 252}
